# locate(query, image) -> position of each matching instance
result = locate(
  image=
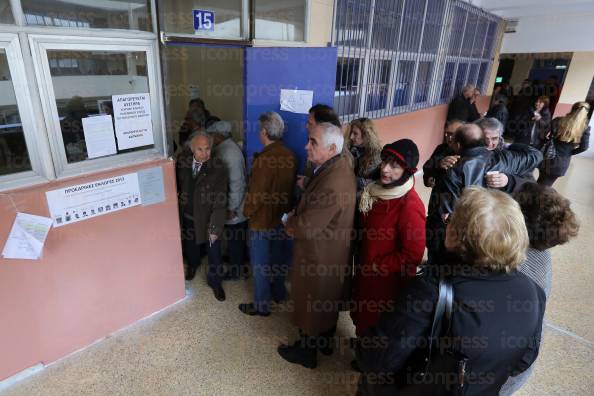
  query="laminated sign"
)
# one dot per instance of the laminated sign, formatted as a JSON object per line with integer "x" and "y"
{"x": 133, "y": 121}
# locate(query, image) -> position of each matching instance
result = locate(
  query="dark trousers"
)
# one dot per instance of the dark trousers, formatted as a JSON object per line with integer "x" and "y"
{"x": 435, "y": 237}
{"x": 546, "y": 180}
{"x": 193, "y": 253}
{"x": 236, "y": 237}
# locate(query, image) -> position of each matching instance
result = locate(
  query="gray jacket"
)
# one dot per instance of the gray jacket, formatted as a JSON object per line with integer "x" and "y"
{"x": 231, "y": 155}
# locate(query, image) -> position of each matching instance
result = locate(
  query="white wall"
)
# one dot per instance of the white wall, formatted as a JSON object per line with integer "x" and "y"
{"x": 551, "y": 33}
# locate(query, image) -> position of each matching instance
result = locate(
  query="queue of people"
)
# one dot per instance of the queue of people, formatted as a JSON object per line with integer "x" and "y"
{"x": 349, "y": 234}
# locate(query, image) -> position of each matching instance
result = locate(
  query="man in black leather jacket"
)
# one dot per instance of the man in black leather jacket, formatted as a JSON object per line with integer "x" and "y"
{"x": 475, "y": 162}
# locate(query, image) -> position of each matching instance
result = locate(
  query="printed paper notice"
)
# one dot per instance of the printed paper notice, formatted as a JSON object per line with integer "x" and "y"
{"x": 84, "y": 201}
{"x": 296, "y": 101}
{"x": 133, "y": 121}
{"x": 152, "y": 189}
{"x": 27, "y": 237}
{"x": 99, "y": 136}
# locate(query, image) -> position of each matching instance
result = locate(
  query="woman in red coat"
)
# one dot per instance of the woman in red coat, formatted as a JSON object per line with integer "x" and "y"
{"x": 393, "y": 239}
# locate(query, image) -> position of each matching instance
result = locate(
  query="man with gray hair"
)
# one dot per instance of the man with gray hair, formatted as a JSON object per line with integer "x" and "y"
{"x": 202, "y": 187}
{"x": 231, "y": 155}
{"x": 322, "y": 226}
{"x": 269, "y": 196}
{"x": 493, "y": 130}
{"x": 462, "y": 106}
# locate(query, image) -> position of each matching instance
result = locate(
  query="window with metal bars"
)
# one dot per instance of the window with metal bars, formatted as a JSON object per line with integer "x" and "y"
{"x": 396, "y": 56}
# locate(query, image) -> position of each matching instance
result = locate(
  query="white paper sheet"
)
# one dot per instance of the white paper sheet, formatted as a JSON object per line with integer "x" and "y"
{"x": 84, "y": 201}
{"x": 27, "y": 237}
{"x": 152, "y": 188}
{"x": 133, "y": 121}
{"x": 99, "y": 136}
{"x": 296, "y": 101}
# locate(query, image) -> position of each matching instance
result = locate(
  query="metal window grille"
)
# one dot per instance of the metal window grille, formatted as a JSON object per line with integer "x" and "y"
{"x": 396, "y": 56}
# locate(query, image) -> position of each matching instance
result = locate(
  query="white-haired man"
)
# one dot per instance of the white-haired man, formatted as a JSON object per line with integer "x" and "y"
{"x": 235, "y": 233}
{"x": 270, "y": 193}
{"x": 321, "y": 226}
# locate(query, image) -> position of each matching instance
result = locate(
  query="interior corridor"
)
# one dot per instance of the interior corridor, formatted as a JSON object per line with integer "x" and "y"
{"x": 202, "y": 347}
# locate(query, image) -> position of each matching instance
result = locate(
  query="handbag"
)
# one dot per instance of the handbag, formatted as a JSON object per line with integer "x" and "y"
{"x": 442, "y": 371}
{"x": 549, "y": 151}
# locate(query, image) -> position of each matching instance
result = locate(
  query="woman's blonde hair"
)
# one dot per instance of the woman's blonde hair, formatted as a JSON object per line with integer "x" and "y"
{"x": 490, "y": 229}
{"x": 573, "y": 125}
{"x": 371, "y": 142}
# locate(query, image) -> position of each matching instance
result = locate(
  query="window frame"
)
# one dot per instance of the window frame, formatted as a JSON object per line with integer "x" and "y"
{"x": 35, "y": 138}
{"x": 40, "y": 44}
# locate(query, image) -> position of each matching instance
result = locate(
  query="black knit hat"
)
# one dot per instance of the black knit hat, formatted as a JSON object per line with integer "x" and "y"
{"x": 404, "y": 152}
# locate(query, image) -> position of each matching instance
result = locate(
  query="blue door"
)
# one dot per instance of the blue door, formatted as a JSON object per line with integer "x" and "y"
{"x": 267, "y": 71}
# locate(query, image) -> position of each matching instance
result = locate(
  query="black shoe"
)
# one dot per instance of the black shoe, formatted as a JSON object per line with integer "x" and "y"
{"x": 250, "y": 309}
{"x": 190, "y": 274}
{"x": 219, "y": 293}
{"x": 299, "y": 354}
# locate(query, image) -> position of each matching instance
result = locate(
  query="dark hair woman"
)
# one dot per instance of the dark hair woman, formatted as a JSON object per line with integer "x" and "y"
{"x": 550, "y": 222}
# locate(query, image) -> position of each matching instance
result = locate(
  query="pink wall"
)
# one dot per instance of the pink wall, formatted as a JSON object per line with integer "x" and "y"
{"x": 561, "y": 109}
{"x": 424, "y": 127}
{"x": 95, "y": 277}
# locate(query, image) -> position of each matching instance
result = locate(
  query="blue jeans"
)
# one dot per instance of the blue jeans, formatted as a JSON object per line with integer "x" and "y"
{"x": 269, "y": 257}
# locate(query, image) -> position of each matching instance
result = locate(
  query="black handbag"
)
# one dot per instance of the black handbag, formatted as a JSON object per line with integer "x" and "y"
{"x": 441, "y": 371}
{"x": 549, "y": 151}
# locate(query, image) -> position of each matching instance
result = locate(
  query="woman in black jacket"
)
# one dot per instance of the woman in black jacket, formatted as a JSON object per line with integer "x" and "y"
{"x": 534, "y": 124}
{"x": 571, "y": 136}
{"x": 497, "y": 311}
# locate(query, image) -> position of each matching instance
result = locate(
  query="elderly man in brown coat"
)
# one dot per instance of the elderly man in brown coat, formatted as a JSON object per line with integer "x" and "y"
{"x": 321, "y": 226}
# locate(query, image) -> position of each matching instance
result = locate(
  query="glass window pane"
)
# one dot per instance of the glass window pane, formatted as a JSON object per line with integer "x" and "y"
{"x": 433, "y": 24}
{"x": 379, "y": 78}
{"x": 386, "y": 24}
{"x": 123, "y": 14}
{"x": 472, "y": 74}
{"x": 479, "y": 40}
{"x": 448, "y": 78}
{"x": 412, "y": 25}
{"x": 352, "y": 21}
{"x": 404, "y": 78}
{"x": 84, "y": 82}
{"x": 14, "y": 156}
{"x": 471, "y": 25}
{"x": 457, "y": 31}
{"x": 481, "y": 75}
{"x": 460, "y": 78}
{"x": 5, "y": 12}
{"x": 176, "y": 16}
{"x": 346, "y": 98}
{"x": 491, "y": 38}
{"x": 280, "y": 20}
{"x": 423, "y": 81}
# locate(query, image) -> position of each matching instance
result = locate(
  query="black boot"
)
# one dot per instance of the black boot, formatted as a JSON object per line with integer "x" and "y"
{"x": 326, "y": 341}
{"x": 303, "y": 352}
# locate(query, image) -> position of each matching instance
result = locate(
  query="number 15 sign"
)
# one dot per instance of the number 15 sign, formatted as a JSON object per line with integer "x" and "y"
{"x": 204, "y": 20}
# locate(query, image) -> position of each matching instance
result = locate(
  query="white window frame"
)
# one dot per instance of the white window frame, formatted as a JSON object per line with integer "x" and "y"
{"x": 287, "y": 43}
{"x": 40, "y": 44}
{"x": 35, "y": 138}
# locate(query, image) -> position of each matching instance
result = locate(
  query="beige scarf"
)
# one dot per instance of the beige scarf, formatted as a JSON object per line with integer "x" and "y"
{"x": 375, "y": 191}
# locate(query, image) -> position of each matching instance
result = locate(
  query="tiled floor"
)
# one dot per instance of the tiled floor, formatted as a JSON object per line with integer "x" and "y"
{"x": 203, "y": 347}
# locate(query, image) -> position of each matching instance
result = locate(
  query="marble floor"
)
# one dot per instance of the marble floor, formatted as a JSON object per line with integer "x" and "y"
{"x": 203, "y": 347}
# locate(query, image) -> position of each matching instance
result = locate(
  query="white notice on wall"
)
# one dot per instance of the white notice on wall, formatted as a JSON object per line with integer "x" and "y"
{"x": 133, "y": 121}
{"x": 27, "y": 237}
{"x": 83, "y": 201}
{"x": 99, "y": 136}
{"x": 296, "y": 101}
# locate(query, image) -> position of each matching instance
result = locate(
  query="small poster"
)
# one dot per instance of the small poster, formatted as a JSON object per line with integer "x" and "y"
{"x": 27, "y": 237}
{"x": 99, "y": 136}
{"x": 152, "y": 188}
{"x": 84, "y": 201}
{"x": 296, "y": 101}
{"x": 133, "y": 120}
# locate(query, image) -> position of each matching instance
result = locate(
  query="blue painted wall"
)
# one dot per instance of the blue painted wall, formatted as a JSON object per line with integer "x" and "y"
{"x": 267, "y": 71}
